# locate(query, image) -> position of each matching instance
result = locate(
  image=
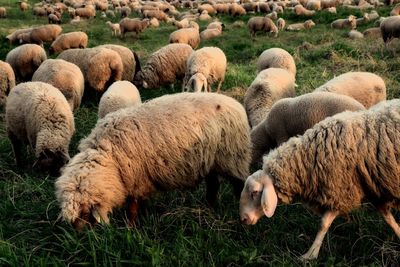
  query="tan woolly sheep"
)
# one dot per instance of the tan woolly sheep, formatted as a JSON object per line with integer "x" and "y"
{"x": 23, "y": 6}
{"x": 7, "y": 81}
{"x": 373, "y": 33}
{"x": 154, "y": 23}
{"x": 67, "y": 41}
{"x": 276, "y": 58}
{"x": 207, "y": 7}
{"x": 354, "y": 34}
{"x": 114, "y": 27}
{"x": 3, "y": 12}
{"x": 280, "y": 24}
{"x": 313, "y": 5}
{"x": 216, "y": 25}
{"x": 365, "y": 87}
{"x": 54, "y": 19}
{"x": 390, "y": 28}
{"x": 190, "y": 36}
{"x": 181, "y": 24}
{"x": 264, "y": 24}
{"x": 100, "y": 66}
{"x": 205, "y": 67}
{"x": 350, "y": 22}
{"x": 155, "y": 74}
{"x": 342, "y": 162}
{"x": 121, "y": 94}
{"x": 308, "y": 24}
{"x": 25, "y": 60}
{"x": 41, "y": 34}
{"x": 236, "y": 10}
{"x": 204, "y": 16}
{"x": 302, "y": 11}
{"x": 269, "y": 86}
{"x": 161, "y": 16}
{"x": 289, "y": 117}
{"x": 395, "y": 11}
{"x": 133, "y": 25}
{"x": 363, "y": 20}
{"x": 14, "y": 37}
{"x": 65, "y": 76}
{"x": 85, "y": 12}
{"x": 208, "y": 34}
{"x": 38, "y": 115}
{"x": 200, "y": 136}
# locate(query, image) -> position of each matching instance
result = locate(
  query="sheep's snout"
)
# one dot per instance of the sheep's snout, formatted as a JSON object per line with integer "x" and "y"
{"x": 245, "y": 219}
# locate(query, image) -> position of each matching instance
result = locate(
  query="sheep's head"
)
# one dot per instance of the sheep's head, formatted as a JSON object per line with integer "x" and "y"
{"x": 196, "y": 83}
{"x": 258, "y": 198}
{"x": 308, "y": 24}
{"x": 139, "y": 80}
{"x": 52, "y": 161}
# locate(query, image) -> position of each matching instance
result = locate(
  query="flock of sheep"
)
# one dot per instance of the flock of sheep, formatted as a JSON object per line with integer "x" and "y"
{"x": 332, "y": 149}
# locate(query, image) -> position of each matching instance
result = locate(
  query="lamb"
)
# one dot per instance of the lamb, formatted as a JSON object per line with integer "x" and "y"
{"x": 133, "y": 25}
{"x": 121, "y": 94}
{"x": 289, "y": 117}
{"x": 204, "y": 67}
{"x": 281, "y": 24}
{"x": 114, "y": 167}
{"x": 208, "y": 34}
{"x": 269, "y": 86}
{"x": 276, "y": 58}
{"x": 7, "y": 81}
{"x": 350, "y": 22}
{"x": 38, "y": 114}
{"x": 100, "y": 66}
{"x": 67, "y": 41}
{"x": 25, "y": 60}
{"x": 302, "y": 11}
{"x": 390, "y": 28}
{"x": 64, "y": 76}
{"x": 3, "y": 12}
{"x": 354, "y": 34}
{"x": 155, "y": 74}
{"x": 236, "y": 10}
{"x": 115, "y": 28}
{"x": 265, "y": 24}
{"x": 373, "y": 33}
{"x": 190, "y": 36}
{"x": 365, "y": 87}
{"x": 308, "y": 24}
{"x": 41, "y": 34}
{"x": 333, "y": 168}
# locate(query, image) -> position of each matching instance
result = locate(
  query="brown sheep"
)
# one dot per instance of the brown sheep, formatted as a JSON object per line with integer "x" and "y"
{"x": 390, "y": 28}
{"x": 264, "y": 24}
{"x": 133, "y": 25}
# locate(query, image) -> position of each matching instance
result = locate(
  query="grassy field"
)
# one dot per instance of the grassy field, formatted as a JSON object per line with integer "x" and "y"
{"x": 176, "y": 228}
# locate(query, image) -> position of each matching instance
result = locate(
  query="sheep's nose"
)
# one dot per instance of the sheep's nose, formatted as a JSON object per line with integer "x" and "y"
{"x": 245, "y": 219}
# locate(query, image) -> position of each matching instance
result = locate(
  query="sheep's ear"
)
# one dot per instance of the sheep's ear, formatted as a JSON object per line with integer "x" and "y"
{"x": 96, "y": 215}
{"x": 269, "y": 199}
{"x": 145, "y": 85}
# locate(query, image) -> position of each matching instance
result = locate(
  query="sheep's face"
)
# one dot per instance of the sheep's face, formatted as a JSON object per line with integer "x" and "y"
{"x": 258, "y": 198}
{"x": 196, "y": 83}
{"x": 138, "y": 79}
{"x": 52, "y": 162}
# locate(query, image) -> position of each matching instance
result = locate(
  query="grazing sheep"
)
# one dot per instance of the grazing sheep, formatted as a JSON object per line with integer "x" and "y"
{"x": 25, "y": 60}
{"x": 390, "y": 28}
{"x": 208, "y": 34}
{"x": 365, "y": 87}
{"x": 236, "y": 10}
{"x": 154, "y": 23}
{"x": 14, "y": 37}
{"x": 331, "y": 10}
{"x": 238, "y": 24}
{"x": 250, "y": 7}
{"x": 373, "y": 15}
{"x": 264, "y": 7}
{"x": 221, "y": 8}
{"x": 276, "y": 58}
{"x": 373, "y": 33}
{"x": 289, "y": 117}
{"x": 302, "y": 11}
{"x": 38, "y": 115}
{"x": 204, "y": 16}
{"x": 326, "y": 4}
{"x": 53, "y": 19}
{"x": 308, "y": 24}
{"x": 181, "y": 24}
{"x": 281, "y": 24}
{"x": 125, "y": 11}
{"x": 354, "y": 34}
{"x": 67, "y": 41}
{"x": 216, "y": 25}
{"x": 114, "y": 27}
{"x": 342, "y": 162}
{"x": 269, "y": 86}
{"x": 65, "y": 76}
{"x": 350, "y": 22}
{"x": 100, "y": 66}
{"x": 361, "y": 21}
{"x": 161, "y": 16}
{"x": 76, "y": 20}
{"x": 314, "y": 5}
{"x": 200, "y": 136}
{"x": 190, "y": 36}
{"x": 207, "y": 7}
{"x": 23, "y": 6}
{"x": 395, "y": 11}
{"x": 121, "y": 94}
{"x": 85, "y": 12}
{"x": 3, "y": 12}
{"x": 133, "y": 25}
{"x": 155, "y": 74}
{"x": 273, "y": 15}
{"x": 204, "y": 67}
{"x": 41, "y": 34}
{"x": 265, "y": 24}
{"x": 7, "y": 81}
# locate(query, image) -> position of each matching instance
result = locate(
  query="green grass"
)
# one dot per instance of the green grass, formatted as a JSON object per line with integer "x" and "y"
{"x": 176, "y": 228}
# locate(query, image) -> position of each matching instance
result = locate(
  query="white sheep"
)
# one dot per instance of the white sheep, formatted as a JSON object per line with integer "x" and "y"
{"x": 350, "y": 22}
{"x": 7, "y": 81}
{"x": 67, "y": 41}
{"x": 354, "y": 34}
{"x": 115, "y": 28}
{"x": 340, "y": 163}
{"x": 280, "y": 23}
{"x": 276, "y": 58}
{"x": 190, "y": 36}
{"x": 308, "y": 24}
{"x": 168, "y": 143}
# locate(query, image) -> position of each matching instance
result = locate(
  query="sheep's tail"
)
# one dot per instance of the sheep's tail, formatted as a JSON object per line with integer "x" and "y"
{"x": 137, "y": 64}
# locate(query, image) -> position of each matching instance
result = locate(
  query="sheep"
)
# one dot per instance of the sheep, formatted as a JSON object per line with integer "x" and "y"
{"x": 238, "y": 24}
{"x": 114, "y": 27}
{"x": 190, "y": 36}
{"x": 373, "y": 15}
{"x": 69, "y": 40}
{"x": 181, "y": 24}
{"x": 273, "y": 15}
{"x": 250, "y": 7}
{"x": 265, "y": 24}
{"x": 361, "y": 21}
{"x": 120, "y": 94}
{"x": 14, "y": 37}
{"x": 269, "y": 86}
{"x": 210, "y": 34}
{"x": 308, "y": 24}
{"x": 65, "y": 76}
{"x": 133, "y": 25}
{"x": 130, "y": 60}
{"x": 76, "y": 20}
{"x": 395, "y": 11}
{"x": 125, "y": 11}
{"x": 204, "y": 67}
{"x": 264, "y": 7}
{"x": 3, "y": 12}
{"x": 333, "y": 168}
{"x": 200, "y": 136}
{"x": 313, "y": 5}
{"x": 25, "y": 60}
{"x": 110, "y": 14}
{"x": 99, "y": 66}
{"x": 281, "y": 24}
{"x": 23, "y": 6}
{"x": 161, "y": 16}
{"x": 373, "y": 33}
{"x": 155, "y": 74}
{"x": 154, "y": 23}
{"x": 204, "y": 16}
{"x": 390, "y": 28}
{"x": 41, "y": 34}
{"x": 289, "y": 117}
{"x": 354, "y": 34}
{"x": 216, "y": 25}
{"x": 302, "y": 11}
{"x": 7, "y": 81}
{"x": 331, "y": 10}
{"x": 236, "y": 10}
{"x": 221, "y": 8}
{"x": 85, "y": 12}
{"x": 276, "y": 58}
{"x": 365, "y": 87}
{"x": 326, "y": 4}
{"x": 350, "y": 22}
{"x": 37, "y": 114}
{"x": 54, "y": 19}
{"x": 207, "y": 7}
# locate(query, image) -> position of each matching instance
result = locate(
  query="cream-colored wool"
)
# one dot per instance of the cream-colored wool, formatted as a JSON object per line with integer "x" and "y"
{"x": 121, "y": 94}
{"x": 236, "y": 10}
{"x": 161, "y": 16}
{"x": 133, "y": 25}
{"x": 354, "y": 34}
{"x": 280, "y": 23}
{"x": 313, "y": 5}
{"x": 350, "y": 22}
{"x": 7, "y": 81}
{"x": 207, "y": 7}
{"x": 302, "y": 11}
{"x": 373, "y": 33}
{"x": 208, "y": 34}
{"x": 38, "y": 115}
{"x": 41, "y": 34}
{"x": 216, "y": 25}
{"x": 69, "y": 40}
{"x": 390, "y": 28}
{"x": 365, "y": 87}
{"x": 115, "y": 28}
{"x": 276, "y": 58}
{"x": 3, "y": 12}
{"x": 85, "y": 12}
{"x": 204, "y": 16}
{"x": 168, "y": 143}
{"x": 269, "y": 86}
{"x": 15, "y": 36}
{"x": 190, "y": 36}
{"x": 308, "y": 24}
{"x": 264, "y": 24}
{"x": 65, "y": 76}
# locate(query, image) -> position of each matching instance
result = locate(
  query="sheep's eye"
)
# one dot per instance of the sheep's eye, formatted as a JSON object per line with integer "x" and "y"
{"x": 254, "y": 194}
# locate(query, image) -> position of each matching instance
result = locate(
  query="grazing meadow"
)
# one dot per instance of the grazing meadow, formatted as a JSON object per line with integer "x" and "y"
{"x": 177, "y": 228}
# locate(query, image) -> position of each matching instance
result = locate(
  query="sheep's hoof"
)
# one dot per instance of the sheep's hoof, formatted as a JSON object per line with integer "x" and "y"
{"x": 308, "y": 257}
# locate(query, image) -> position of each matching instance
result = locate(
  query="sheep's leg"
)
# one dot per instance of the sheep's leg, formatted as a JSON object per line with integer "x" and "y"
{"x": 212, "y": 187}
{"x": 388, "y": 216}
{"x": 237, "y": 185}
{"x": 16, "y": 147}
{"x": 132, "y": 210}
{"x": 219, "y": 86}
{"x": 326, "y": 222}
